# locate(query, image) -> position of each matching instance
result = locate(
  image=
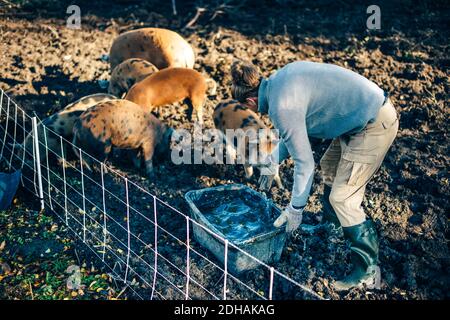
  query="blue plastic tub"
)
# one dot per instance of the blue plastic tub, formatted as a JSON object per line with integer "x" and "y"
{"x": 233, "y": 202}
{"x": 9, "y": 182}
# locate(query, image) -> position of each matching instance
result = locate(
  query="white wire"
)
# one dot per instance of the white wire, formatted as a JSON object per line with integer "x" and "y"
{"x": 83, "y": 196}
{"x": 48, "y": 170}
{"x": 128, "y": 230}
{"x": 105, "y": 230}
{"x": 106, "y": 216}
{"x": 158, "y": 253}
{"x": 64, "y": 178}
{"x": 155, "y": 257}
{"x": 17, "y": 157}
{"x": 14, "y": 138}
{"x": 117, "y": 239}
{"x": 6, "y": 126}
{"x": 187, "y": 260}
{"x": 115, "y": 255}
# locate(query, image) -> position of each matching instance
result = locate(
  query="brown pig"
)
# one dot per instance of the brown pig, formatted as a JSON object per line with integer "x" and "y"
{"x": 127, "y": 73}
{"x": 163, "y": 48}
{"x": 172, "y": 85}
{"x": 231, "y": 114}
{"x": 61, "y": 124}
{"x": 121, "y": 124}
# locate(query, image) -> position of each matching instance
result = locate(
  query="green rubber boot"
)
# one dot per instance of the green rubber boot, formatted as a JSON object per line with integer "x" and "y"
{"x": 329, "y": 215}
{"x": 364, "y": 256}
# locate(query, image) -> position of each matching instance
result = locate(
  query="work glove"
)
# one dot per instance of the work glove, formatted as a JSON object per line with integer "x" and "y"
{"x": 268, "y": 172}
{"x": 291, "y": 216}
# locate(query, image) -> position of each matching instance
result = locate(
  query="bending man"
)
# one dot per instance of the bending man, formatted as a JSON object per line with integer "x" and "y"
{"x": 307, "y": 99}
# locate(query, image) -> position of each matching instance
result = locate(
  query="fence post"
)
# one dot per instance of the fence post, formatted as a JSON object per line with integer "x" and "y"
{"x": 128, "y": 231}
{"x": 155, "y": 266}
{"x": 83, "y": 195}
{"x": 37, "y": 156}
{"x": 225, "y": 271}
{"x": 271, "y": 284}
{"x": 188, "y": 266}
{"x": 105, "y": 231}
{"x": 64, "y": 179}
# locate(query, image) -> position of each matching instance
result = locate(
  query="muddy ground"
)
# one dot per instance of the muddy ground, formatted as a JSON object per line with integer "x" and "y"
{"x": 45, "y": 66}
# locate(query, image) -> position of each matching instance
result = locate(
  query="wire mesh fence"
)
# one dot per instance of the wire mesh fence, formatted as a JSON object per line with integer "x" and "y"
{"x": 144, "y": 242}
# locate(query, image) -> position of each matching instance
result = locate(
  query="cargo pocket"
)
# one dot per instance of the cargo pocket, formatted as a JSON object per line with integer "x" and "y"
{"x": 389, "y": 124}
{"x": 363, "y": 167}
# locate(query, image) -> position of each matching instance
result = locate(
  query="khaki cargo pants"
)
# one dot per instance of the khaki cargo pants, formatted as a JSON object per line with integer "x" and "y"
{"x": 352, "y": 160}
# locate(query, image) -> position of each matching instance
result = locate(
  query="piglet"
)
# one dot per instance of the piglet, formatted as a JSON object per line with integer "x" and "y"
{"x": 127, "y": 73}
{"x": 233, "y": 115}
{"x": 121, "y": 124}
{"x": 61, "y": 124}
{"x": 172, "y": 85}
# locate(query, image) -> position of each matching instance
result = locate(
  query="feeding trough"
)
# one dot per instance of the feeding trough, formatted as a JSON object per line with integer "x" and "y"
{"x": 242, "y": 216}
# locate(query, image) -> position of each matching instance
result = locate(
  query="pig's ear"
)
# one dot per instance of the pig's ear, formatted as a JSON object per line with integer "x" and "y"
{"x": 252, "y": 103}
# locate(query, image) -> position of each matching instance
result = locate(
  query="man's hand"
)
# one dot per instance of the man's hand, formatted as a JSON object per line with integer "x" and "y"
{"x": 268, "y": 174}
{"x": 291, "y": 216}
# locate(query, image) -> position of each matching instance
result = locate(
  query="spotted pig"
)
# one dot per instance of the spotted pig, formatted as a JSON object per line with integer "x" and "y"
{"x": 61, "y": 124}
{"x": 172, "y": 85}
{"x": 231, "y": 114}
{"x": 127, "y": 73}
{"x": 121, "y": 124}
{"x": 163, "y": 48}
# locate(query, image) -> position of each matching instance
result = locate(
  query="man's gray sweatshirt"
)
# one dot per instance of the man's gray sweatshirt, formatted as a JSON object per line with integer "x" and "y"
{"x": 308, "y": 99}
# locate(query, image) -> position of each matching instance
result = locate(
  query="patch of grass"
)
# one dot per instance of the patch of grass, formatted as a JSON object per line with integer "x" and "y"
{"x": 35, "y": 254}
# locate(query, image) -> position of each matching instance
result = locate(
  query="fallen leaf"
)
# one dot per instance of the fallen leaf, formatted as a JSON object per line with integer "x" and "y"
{"x": 5, "y": 268}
